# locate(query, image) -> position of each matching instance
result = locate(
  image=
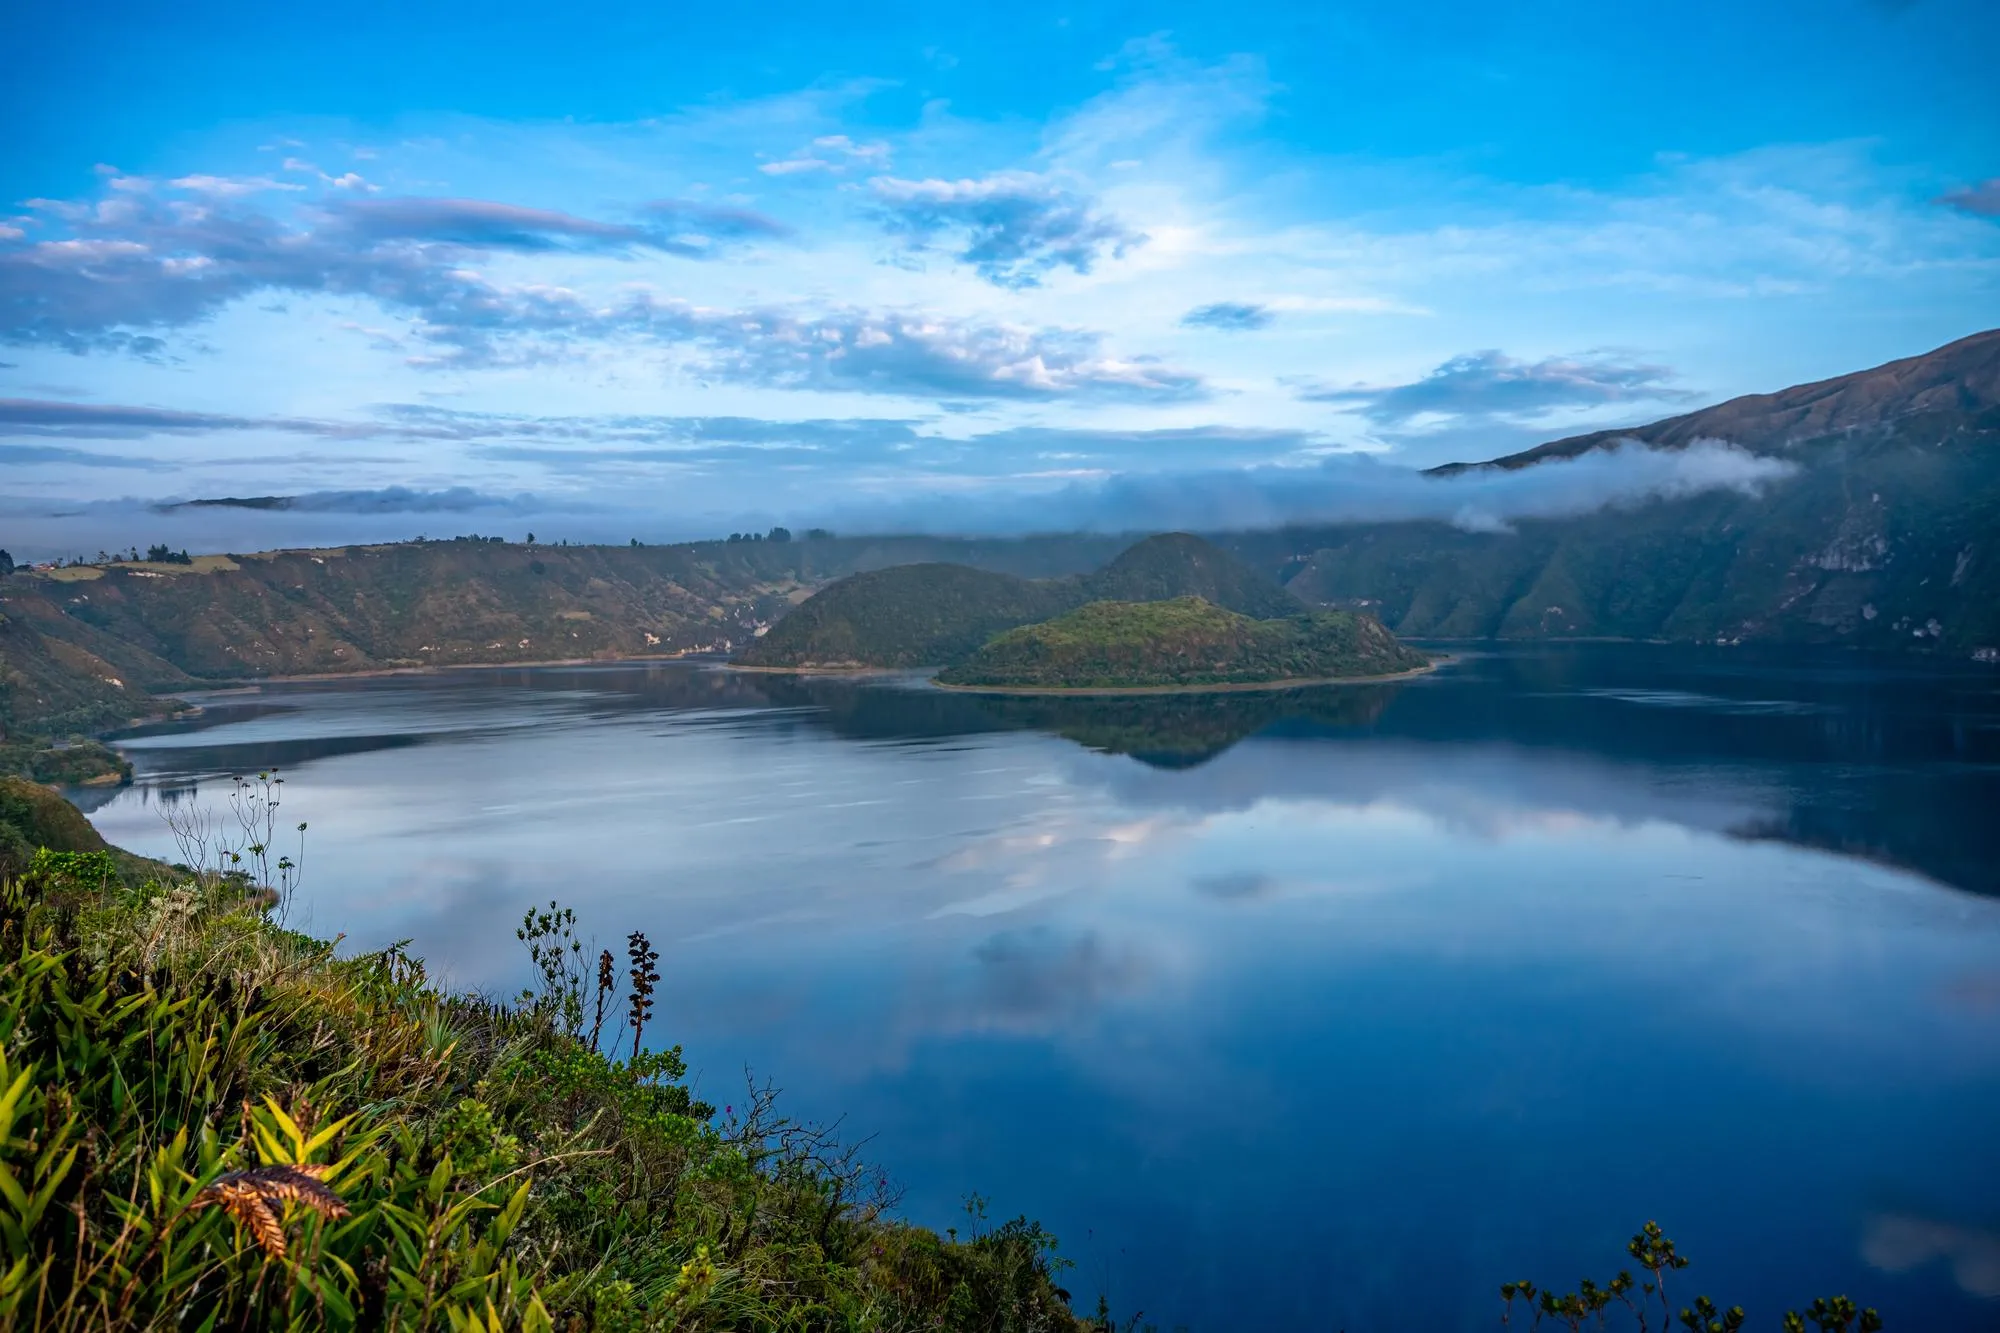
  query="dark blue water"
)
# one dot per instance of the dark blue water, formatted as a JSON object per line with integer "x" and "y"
{"x": 1326, "y": 1010}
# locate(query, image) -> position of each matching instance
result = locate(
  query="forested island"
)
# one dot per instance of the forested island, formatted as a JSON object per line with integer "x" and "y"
{"x": 1182, "y": 644}
{"x": 1171, "y": 612}
{"x": 939, "y": 614}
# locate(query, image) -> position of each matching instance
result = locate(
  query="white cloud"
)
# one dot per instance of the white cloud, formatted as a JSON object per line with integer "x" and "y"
{"x": 995, "y": 300}
{"x": 231, "y": 187}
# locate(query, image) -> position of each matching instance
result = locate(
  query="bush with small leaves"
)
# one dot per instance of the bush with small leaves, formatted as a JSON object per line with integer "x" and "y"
{"x": 1643, "y": 1300}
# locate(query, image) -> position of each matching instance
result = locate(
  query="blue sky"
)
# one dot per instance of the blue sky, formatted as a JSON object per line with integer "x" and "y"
{"x": 620, "y": 270}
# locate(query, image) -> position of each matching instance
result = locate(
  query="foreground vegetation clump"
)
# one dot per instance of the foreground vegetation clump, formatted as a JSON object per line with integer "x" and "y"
{"x": 1646, "y": 1304}
{"x": 32, "y": 817}
{"x": 208, "y": 1121}
{"x": 1186, "y": 641}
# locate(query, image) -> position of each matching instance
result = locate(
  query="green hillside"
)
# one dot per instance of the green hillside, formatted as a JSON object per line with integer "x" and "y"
{"x": 1882, "y": 544}
{"x": 32, "y": 817}
{"x": 909, "y": 616}
{"x": 1886, "y": 537}
{"x": 62, "y": 678}
{"x": 1178, "y": 564}
{"x": 927, "y": 615}
{"x": 1183, "y": 642}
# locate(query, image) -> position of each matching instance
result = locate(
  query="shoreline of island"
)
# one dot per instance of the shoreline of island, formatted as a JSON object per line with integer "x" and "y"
{"x": 856, "y": 670}
{"x": 1216, "y": 687}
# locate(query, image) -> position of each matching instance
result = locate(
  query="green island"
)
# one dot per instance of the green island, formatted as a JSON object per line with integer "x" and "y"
{"x": 939, "y": 614}
{"x": 1171, "y": 613}
{"x": 1187, "y": 643}
{"x": 905, "y": 616}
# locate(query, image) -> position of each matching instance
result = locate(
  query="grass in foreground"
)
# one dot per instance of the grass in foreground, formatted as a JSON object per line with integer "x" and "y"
{"x": 210, "y": 1122}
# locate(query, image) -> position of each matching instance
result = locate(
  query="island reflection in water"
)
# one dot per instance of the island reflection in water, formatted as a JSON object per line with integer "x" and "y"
{"x": 1336, "y": 1007}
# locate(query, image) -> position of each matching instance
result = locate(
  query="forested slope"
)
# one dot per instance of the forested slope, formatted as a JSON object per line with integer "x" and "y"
{"x": 1186, "y": 641}
{"x": 1886, "y": 535}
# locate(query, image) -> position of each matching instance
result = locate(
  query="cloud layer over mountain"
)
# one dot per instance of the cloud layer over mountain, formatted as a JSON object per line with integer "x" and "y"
{"x": 1345, "y": 489}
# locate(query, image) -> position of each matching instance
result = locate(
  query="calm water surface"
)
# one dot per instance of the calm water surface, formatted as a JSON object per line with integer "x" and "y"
{"x": 1327, "y": 1010}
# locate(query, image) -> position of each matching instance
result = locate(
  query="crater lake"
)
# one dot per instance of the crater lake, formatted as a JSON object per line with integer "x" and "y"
{"x": 1329, "y": 1008}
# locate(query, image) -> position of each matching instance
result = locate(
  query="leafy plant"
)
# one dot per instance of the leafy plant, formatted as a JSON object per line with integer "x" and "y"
{"x": 1644, "y": 1299}
{"x": 208, "y": 1121}
{"x": 238, "y": 844}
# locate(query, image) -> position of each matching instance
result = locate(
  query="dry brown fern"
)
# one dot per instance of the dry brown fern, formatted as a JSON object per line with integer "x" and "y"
{"x": 249, "y": 1196}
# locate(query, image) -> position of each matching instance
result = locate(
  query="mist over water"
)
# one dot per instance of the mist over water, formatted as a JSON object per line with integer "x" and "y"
{"x": 1333, "y": 1008}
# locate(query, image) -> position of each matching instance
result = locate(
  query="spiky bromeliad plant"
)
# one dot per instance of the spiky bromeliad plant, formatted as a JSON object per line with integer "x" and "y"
{"x": 210, "y": 1122}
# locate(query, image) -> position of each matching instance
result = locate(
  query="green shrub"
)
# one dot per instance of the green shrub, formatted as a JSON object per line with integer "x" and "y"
{"x": 207, "y": 1121}
{"x": 76, "y": 870}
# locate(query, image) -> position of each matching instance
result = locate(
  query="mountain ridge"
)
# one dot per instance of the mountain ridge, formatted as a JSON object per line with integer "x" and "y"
{"x": 1886, "y": 534}
{"x": 1962, "y": 376}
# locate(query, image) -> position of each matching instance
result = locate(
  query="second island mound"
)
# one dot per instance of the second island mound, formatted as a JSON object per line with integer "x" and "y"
{"x": 1185, "y": 643}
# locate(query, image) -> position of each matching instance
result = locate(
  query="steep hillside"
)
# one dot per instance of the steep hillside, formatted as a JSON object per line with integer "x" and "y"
{"x": 929, "y": 615}
{"x": 32, "y": 816}
{"x": 1941, "y": 393}
{"x": 1183, "y": 642}
{"x": 1887, "y": 535}
{"x": 912, "y": 615}
{"x": 1177, "y": 564}
{"x": 62, "y": 675}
